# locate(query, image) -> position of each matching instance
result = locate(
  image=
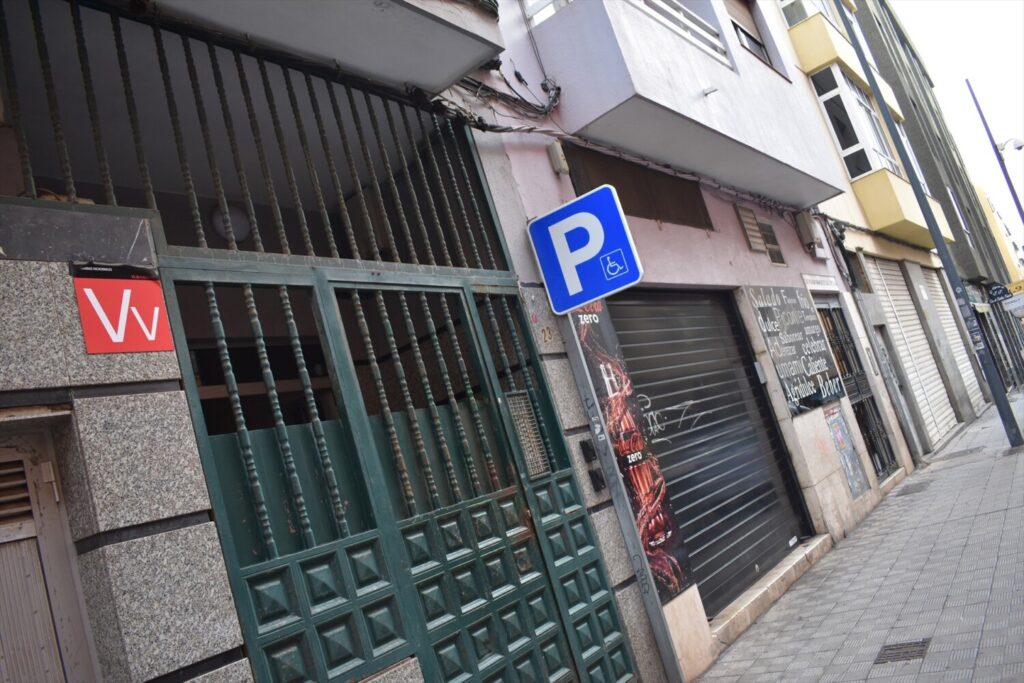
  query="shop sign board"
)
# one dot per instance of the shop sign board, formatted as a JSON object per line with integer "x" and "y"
{"x": 121, "y": 309}
{"x": 584, "y": 250}
{"x": 800, "y": 352}
{"x": 1015, "y": 305}
{"x": 998, "y": 292}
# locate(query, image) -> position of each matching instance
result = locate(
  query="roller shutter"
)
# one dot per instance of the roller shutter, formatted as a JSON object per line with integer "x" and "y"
{"x": 732, "y": 490}
{"x": 937, "y": 293}
{"x": 911, "y": 346}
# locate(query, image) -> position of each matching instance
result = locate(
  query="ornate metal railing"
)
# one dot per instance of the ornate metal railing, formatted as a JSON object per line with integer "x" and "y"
{"x": 239, "y": 147}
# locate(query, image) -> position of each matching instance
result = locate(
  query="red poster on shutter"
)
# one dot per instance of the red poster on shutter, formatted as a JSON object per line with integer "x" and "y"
{"x": 123, "y": 316}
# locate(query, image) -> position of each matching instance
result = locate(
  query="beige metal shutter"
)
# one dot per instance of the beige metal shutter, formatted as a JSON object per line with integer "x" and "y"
{"x": 963, "y": 360}
{"x": 912, "y": 348}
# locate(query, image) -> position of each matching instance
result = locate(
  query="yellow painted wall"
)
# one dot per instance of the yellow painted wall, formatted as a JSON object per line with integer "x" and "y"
{"x": 999, "y": 233}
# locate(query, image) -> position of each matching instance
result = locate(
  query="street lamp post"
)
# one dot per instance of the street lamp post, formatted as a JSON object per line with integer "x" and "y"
{"x": 998, "y": 150}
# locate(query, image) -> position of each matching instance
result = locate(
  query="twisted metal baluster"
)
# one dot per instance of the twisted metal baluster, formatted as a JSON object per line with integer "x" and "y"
{"x": 133, "y": 113}
{"x": 427, "y": 193}
{"x": 368, "y": 159}
{"x": 382, "y": 397}
{"x": 443, "y": 194}
{"x": 269, "y": 382}
{"x": 346, "y": 219}
{"x": 236, "y": 157}
{"x": 403, "y": 384}
{"x": 241, "y": 431}
{"x": 261, "y": 155}
{"x": 428, "y": 393}
{"x": 432, "y": 331}
{"x": 310, "y": 164}
{"x": 484, "y": 233}
{"x": 179, "y": 139}
{"x": 230, "y": 383}
{"x": 319, "y": 437}
{"x": 283, "y": 151}
{"x": 54, "y": 105}
{"x": 90, "y": 101}
{"x": 14, "y": 107}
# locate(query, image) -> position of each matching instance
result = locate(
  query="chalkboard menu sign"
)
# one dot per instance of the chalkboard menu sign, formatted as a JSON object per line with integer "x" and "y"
{"x": 797, "y": 344}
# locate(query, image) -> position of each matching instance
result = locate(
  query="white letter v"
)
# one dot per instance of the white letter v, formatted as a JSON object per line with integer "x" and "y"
{"x": 116, "y": 336}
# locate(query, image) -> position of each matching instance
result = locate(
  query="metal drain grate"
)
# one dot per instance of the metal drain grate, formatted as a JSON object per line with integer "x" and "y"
{"x": 902, "y": 652}
{"x": 537, "y": 463}
{"x": 911, "y": 489}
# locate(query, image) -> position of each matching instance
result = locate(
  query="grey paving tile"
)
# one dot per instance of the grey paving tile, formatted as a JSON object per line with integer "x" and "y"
{"x": 946, "y": 563}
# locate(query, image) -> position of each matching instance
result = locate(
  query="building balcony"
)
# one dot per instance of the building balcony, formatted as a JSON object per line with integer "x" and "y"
{"x": 890, "y": 207}
{"x": 429, "y": 44}
{"x": 818, "y": 44}
{"x": 658, "y": 79}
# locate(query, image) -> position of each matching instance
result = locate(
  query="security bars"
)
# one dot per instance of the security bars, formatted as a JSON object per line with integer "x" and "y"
{"x": 270, "y": 154}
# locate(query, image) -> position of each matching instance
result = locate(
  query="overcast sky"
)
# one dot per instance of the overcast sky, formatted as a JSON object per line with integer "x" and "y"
{"x": 982, "y": 40}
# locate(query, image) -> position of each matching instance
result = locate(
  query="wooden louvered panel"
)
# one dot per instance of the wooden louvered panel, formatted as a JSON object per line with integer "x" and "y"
{"x": 15, "y": 503}
{"x": 751, "y": 229}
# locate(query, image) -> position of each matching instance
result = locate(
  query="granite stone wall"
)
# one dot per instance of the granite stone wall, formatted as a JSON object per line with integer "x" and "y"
{"x": 149, "y": 563}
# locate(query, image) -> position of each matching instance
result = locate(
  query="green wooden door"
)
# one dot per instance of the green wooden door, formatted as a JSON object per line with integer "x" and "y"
{"x": 389, "y": 480}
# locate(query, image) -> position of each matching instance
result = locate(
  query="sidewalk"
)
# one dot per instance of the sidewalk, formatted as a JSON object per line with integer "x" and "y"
{"x": 942, "y": 557}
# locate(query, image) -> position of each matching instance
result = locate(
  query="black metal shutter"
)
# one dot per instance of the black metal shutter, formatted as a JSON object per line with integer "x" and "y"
{"x": 732, "y": 489}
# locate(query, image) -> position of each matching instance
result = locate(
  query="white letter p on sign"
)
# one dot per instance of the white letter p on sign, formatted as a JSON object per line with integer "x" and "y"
{"x": 570, "y": 259}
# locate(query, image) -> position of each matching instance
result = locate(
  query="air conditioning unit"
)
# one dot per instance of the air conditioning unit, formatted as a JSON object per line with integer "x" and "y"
{"x": 810, "y": 235}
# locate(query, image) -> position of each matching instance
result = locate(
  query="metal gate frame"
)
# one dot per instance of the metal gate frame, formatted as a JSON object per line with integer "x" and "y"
{"x": 577, "y": 579}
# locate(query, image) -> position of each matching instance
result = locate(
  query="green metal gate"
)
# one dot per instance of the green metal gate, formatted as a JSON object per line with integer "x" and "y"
{"x": 380, "y": 508}
{"x": 385, "y": 466}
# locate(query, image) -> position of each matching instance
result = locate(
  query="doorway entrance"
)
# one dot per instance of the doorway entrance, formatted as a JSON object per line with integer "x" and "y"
{"x": 858, "y": 389}
{"x": 733, "y": 493}
{"x": 388, "y": 479}
{"x": 42, "y": 631}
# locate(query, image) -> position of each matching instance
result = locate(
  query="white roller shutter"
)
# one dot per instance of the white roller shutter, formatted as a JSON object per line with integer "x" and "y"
{"x": 911, "y": 345}
{"x": 963, "y": 360}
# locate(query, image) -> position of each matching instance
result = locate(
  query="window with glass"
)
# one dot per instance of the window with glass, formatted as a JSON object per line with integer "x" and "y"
{"x": 854, "y": 123}
{"x": 796, "y": 11}
{"x": 747, "y": 31}
{"x": 913, "y": 158}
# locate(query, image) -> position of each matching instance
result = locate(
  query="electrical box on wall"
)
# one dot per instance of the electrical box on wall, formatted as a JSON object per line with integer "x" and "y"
{"x": 810, "y": 235}
{"x": 556, "y": 155}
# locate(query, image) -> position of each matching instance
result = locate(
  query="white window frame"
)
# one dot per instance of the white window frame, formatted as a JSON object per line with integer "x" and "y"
{"x": 871, "y": 123}
{"x": 858, "y": 34}
{"x": 960, "y": 215}
{"x": 811, "y": 7}
{"x": 866, "y": 125}
{"x": 913, "y": 158}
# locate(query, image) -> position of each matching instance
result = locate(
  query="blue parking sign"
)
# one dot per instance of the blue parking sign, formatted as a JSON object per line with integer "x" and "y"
{"x": 584, "y": 250}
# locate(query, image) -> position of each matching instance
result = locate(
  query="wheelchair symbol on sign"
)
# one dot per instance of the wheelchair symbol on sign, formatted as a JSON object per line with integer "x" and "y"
{"x": 614, "y": 264}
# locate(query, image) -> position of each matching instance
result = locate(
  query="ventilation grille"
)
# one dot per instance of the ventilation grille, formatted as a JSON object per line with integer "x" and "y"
{"x": 537, "y": 463}
{"x": 903, "y": 652}
{"x": 15, "y": 504}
